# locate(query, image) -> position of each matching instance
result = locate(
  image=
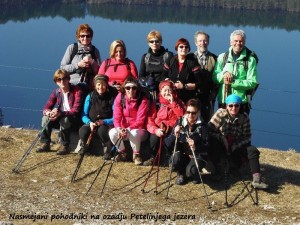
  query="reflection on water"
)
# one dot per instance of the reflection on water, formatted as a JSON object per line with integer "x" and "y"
{"x": 31, "y": 52}
{"x": 150, "y": 13}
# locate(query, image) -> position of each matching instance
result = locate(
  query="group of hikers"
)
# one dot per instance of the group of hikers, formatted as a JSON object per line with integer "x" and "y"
{"x": 169, "y": 103}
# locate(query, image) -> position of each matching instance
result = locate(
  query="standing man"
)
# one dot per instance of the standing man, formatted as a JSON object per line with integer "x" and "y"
{"x": 207, "y": 90}
{"x": 236, "y": 71}
{"x": 62, "y": 111}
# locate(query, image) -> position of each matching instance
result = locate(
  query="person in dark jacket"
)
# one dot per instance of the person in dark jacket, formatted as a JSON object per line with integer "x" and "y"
{"x": 152, "y": 62}
{"x": 65, "y": 116}
{"x": 191, "y": 136}
{"x": 97, "y": 114}
{"x": 182, "y": 70}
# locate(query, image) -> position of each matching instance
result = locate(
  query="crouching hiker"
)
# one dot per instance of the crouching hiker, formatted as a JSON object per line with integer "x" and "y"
{"x": 161, "y": 121}
{"x": 191, "y": 136}
{"x": 231, "y": 138}
{"x": 65, "y": 117}
{"x": 98, "y": 114}
{"x": 130, "y": 111}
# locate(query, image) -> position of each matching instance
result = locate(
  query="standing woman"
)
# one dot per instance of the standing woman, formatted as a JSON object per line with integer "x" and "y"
{"x": 82, "y": 59}
{"x": 182, "y": 70}
{"x": 98, "y": 113}
{"x": 192, "y": 136}
{"x": 152, "y": 63}
{"x": 118, "y": 67}
{"x": 130, "y": 111}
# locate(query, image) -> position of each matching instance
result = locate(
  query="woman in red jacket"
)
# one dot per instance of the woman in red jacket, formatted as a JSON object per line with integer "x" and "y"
{"x": 162, "y": 120}
{"x": 130, "y": 111}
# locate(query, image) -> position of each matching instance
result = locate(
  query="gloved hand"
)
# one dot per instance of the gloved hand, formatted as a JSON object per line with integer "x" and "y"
{"x": 151, "y": 83}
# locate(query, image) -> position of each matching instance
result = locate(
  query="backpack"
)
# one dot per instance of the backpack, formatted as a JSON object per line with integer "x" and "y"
{"x": 166, "y": 55}
{"x": 108, "y": 61}
{"x": 245, "y": 60}
{"x": 75, "y": 51}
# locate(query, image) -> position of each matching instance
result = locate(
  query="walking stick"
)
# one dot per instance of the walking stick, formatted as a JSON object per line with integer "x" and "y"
{"x": 156, "y": 159}
{"x": 19, "y": 164}
{"x": 255, "y": 202}
{"x": 104, "y": 163}
{"x": 164, "y": 128}
{"x": 111, "y": 165}
{"x": 196, "y": 162}
{"x": 86, "y": 146}
{"x": 171, "y": 166}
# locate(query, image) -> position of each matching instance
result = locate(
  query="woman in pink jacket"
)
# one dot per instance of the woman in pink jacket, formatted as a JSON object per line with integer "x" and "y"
{"x": 130, "y": 111}
{"x": 118, "y": 67}
{"x": 161, "y": 120}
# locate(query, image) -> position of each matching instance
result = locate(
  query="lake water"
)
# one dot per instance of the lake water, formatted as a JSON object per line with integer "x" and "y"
{"x": 31, "y": 50}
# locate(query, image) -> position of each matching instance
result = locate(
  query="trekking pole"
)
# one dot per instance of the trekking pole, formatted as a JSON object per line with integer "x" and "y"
{"x": 255, "y": 202}
{"x": 226, "y": 181}
{"x": 86, "y": 146}
{"x": 19, "y": 164}
{"x": 111, "y": 165}
{"x": 171, "y": 166}
{"x": 157, "y": 157}
{"x": 197, "y": 166}
{"x": 101, "y": 167}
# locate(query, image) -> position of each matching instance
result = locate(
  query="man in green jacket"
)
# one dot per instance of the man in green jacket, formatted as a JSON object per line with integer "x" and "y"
{"x": 238, "y": 73}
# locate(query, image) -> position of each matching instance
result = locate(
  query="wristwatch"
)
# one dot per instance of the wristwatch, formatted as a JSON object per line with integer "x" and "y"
{"x": 185, "y": 86}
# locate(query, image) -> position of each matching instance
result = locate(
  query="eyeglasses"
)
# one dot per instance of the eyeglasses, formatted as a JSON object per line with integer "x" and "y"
{"x": 85, "y": 36}
{"x": 189, "y": 112}
{"x": 154, "y": 41}
{"x": 61, "y": 79}
{"x": 235, "y": 105}
{"x": 132, "y": 88}
{"x": 183, "y": 46}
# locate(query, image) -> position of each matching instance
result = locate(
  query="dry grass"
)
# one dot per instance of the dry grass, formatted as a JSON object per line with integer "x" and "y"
{"x": 43, "y": 187}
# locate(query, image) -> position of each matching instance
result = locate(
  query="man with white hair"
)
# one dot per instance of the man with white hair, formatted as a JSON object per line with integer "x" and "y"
{"x": 236, "y": 71}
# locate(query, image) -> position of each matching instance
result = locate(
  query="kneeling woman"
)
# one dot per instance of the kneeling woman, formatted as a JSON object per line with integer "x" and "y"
{"x": 97, "y": 113}
{"x": 130, "y": 111}
{"x": 192, "y": 137}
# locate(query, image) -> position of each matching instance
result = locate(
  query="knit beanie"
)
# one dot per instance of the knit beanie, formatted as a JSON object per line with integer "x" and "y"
{"x": 100, "y": 77}
{"x": 233, "y": 98}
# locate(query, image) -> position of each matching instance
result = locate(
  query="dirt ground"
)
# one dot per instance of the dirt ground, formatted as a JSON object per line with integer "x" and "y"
{"x": 42, "y": 192}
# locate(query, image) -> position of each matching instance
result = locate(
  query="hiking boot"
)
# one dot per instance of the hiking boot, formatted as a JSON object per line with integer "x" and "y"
{"x": 196, "y": 179}
{"x": 180, "y": 180}
{"x": 63, "y": 151}
{"x": 258, "y": 182}
{"x": 107, "y": 156}
{"x": 149, "y": 162}
{"x": 137, "y": 160}
{"x": 120, "y": 157}
{"x": 44, "y": 148}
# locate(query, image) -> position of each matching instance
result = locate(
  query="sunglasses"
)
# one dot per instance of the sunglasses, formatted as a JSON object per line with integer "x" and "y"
{"x": 154, "y": 41}
{"x": 60, "y": 79}
{"x": 85, "y": 36}
{"x": 183, "y": 46}
{"x": 132, "y": 88}
{"x": 235, "y": 105}
{"x": 190, "y": 112}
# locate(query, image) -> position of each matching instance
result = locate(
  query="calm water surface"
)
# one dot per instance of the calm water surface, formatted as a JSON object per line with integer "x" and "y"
{"x": 32, "y": 50}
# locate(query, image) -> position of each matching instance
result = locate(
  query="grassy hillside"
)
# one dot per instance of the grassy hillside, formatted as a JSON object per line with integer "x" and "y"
{"x": 42, "y": 191}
